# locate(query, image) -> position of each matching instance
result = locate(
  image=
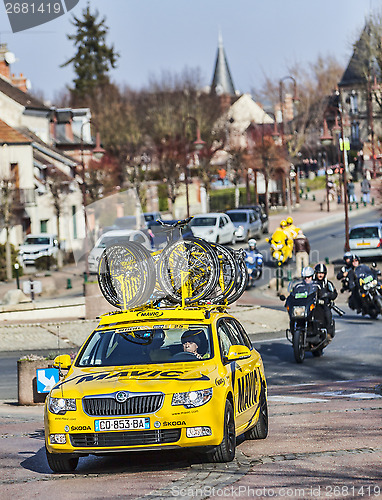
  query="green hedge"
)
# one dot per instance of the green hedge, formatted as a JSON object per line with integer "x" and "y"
{"x": 224, "y": 199}
{"x": 163, "y": 197}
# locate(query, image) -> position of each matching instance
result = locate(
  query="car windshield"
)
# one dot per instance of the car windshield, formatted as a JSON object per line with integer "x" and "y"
{"x": 35, "y": 240}
{"x": 203, "y": 221}
{"x": 238, "y": 216}
{"x": 139, "y": 345}
{"x": 364, "y": 232}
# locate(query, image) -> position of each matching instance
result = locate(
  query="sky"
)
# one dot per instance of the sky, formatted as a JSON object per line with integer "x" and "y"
{"x": 261, "y": 37}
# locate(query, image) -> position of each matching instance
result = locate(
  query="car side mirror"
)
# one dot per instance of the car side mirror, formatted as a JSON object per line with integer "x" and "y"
{"x": 237, "y": 352}
{"x": 282, "y": 297}
{"x": 62, "y": 362}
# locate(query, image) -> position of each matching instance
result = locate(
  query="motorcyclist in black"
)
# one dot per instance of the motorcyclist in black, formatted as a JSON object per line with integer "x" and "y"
{"x": 343, "y": 274}
{"x": 327, "y": 293}
{"x": 357, "y": 269}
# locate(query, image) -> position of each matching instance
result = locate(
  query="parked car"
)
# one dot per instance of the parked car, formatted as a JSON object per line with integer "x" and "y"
{"x": 152, "y": 216}
{"x": 366, "y": 239}
{"x": 37, "y": 245}
{"x": 263, "y": 216}
{"x": 213, "y": 227}
{"x": 247, "y": 223}
{"x": 116, "y": 236}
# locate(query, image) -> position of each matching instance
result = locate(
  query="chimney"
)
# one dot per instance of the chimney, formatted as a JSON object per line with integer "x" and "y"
{"x": 4, "y": 66}
{"x": 20, "y": 82}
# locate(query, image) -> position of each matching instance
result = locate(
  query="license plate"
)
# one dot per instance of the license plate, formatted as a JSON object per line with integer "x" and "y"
{"x": 122, "y": 424}
{"x": 363, "y": 244}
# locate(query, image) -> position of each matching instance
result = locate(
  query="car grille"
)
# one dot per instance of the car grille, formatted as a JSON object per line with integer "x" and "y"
{"x": 136, "y": 405}
{"x": 128, "y": 438}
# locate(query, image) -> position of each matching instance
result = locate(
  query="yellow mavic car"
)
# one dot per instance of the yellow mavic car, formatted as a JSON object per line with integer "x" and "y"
{"x": 157, "y": 379}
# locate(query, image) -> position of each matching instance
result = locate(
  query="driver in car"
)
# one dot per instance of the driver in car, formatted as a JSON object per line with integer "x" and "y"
{"x": 191, "y": 341}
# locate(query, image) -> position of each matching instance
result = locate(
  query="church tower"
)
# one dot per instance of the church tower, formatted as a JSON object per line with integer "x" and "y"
{"x": 222, "y": 83}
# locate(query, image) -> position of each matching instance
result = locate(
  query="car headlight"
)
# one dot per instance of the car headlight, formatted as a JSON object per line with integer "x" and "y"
{"x": 59, "y": 406}
{"x": 192, "y": 399}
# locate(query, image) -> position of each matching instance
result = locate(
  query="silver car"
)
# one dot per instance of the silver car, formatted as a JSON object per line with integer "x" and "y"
{"x": 365, "y": 240}
{"x": 247, "y": 223}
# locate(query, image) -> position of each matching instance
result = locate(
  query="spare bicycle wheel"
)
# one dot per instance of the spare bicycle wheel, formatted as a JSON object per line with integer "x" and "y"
{"x": 126, "y": 275}
{"x": 228, "y": 272}
{"x": 190, "y": 267}
{"x": 241, "y": 280}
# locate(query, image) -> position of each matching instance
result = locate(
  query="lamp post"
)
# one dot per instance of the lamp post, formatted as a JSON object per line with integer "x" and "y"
{"x": 328, "y": 140}
{"x": 198, "y": 145}
{"x": 283, "y": 143}
{"x": 98, "y": 153}
{"x": 325, "y": 139}
{"x": 275, "y": 136}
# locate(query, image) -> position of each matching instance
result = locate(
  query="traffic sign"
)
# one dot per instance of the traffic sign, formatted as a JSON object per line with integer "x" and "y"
{"x": 46, "y": 378}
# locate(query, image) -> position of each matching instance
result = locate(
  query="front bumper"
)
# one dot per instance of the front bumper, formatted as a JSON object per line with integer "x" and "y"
{"x": 167, "y": 429}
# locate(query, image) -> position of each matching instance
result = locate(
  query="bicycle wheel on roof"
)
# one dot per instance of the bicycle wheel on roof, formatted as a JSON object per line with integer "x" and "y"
{"x": 227, "y": 274}
{"x": 188, "y": 266}
{"x": 126, "y": 275}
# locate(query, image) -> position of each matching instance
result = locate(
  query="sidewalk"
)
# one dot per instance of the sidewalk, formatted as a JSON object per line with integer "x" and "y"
{"x": 309, "y": 213}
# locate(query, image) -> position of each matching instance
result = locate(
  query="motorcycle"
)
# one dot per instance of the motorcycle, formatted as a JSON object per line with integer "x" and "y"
{"x": 307, "y": 330}
{"x": 281, "y": 246}
{"x": 254, "y": 264}
{"x": 370, "y": 293}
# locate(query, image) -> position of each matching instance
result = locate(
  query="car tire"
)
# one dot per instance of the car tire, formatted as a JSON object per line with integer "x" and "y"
{"x": 225, "y": 452}
{"x": 60, "y": 462}
{"x": 260, "y": 431}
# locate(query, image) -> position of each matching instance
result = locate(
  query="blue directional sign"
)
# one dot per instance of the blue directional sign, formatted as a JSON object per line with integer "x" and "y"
{"x": 46, "y": 378}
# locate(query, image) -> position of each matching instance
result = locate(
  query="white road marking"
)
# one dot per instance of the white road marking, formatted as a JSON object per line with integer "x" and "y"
{"x": 295, "y": 399}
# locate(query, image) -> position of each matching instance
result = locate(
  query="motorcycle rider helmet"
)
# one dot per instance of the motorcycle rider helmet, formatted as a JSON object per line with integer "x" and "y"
{"x": 307, "y": 272}
{"x": 321, "y": 268}
{"x": 283, "y": 223}
{"x": 289, "y": 220}
{"x": 252, "y": 243}
{"x": 348, "y": 256}
{"x": 355, "y": 257}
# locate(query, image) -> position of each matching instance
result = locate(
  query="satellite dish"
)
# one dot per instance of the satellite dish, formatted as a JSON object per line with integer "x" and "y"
{"x": 9, "y": 57}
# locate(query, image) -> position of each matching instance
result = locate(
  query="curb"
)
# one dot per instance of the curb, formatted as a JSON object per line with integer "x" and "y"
{"x": 332, "y": 218}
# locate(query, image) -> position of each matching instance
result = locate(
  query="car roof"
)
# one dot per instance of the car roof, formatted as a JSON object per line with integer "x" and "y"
{"x": 203, "y": 315}
{"x": 40, "y": 235}
{"x": 245, "y": 210}
{"x": 121, "y": 232}
{"x": 367, "y": 224}
{"x": 209, "y": 214}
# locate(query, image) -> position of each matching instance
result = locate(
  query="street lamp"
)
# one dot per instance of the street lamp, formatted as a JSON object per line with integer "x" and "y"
{"x": 328, "y": 140}
{"x": 198, "y": 145}
{"x": 265, "y": 158}
{"x": 295, "y": 100}
{"x": 98, "y": 153}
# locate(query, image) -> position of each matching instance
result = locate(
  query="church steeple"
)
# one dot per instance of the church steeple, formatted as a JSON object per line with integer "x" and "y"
{"x": 222, "y": 83}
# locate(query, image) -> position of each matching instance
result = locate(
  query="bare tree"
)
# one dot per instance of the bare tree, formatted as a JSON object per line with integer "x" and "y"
{"x": 7, "y": 215}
